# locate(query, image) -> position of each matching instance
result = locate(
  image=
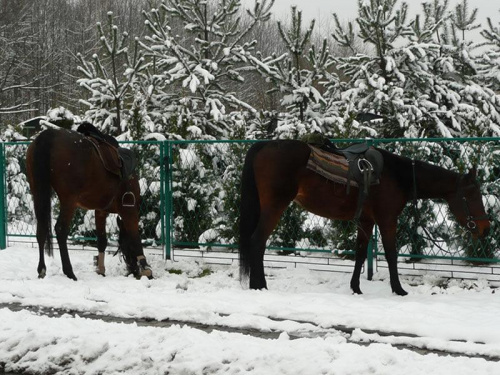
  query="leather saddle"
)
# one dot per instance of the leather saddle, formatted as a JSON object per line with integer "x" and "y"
{"x": 356, "y": 165}
{"x": 117, "y": 160}
{"x": 363, "y": 163}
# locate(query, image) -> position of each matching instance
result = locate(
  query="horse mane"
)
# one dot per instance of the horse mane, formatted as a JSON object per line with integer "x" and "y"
{"x": 402, "y": 170}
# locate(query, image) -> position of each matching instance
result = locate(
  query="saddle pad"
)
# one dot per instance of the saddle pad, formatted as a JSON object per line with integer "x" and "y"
{"x": 331, "y": 166}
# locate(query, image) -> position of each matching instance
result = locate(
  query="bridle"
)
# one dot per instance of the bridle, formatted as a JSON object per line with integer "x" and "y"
{"x": 470, "y": 219}
{"x": 470, "y": 222}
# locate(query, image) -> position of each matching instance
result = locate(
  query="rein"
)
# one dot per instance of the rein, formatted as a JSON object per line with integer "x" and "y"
{"x": 471, "y": 220}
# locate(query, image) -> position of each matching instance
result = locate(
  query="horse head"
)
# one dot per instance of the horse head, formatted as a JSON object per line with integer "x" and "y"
{"x": 467, "y": 205}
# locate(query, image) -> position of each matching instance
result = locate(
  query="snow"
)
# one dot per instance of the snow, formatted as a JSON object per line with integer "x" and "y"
{"x": 302, "y": 307}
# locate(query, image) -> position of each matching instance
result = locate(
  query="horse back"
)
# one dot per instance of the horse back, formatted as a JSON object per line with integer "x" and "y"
{"x": 76, "y": 171}
{"x": 277, "y": 164}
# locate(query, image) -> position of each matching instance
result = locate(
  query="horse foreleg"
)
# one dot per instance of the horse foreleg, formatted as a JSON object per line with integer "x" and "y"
{"x": 364, "y": 232}
{"x": 391, "y": 255}
{"x": 102, "y": 241}
{"x": 62, "y": 231}
{"x": 133, "y": 250}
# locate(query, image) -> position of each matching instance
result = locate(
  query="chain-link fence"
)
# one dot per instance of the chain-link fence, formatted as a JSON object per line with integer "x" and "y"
{"x": 206, "y": 184}
{"x": 20, "y": 222}
{"x": 190, "y": 200}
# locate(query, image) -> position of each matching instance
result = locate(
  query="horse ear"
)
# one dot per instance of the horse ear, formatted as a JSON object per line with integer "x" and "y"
{"x": 119, "y": 222}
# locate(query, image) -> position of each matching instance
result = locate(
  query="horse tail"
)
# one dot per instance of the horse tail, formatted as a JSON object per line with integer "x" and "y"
{"x": 249, "y": 210}
{"x": 42, "y": 189}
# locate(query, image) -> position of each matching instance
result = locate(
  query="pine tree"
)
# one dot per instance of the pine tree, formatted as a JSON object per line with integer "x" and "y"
{"x": 392, "y": 81}
{"x": 421, "y": 77}
{"x": 300, "y": 76}
{"x": 196, "y": 66}
{"x": 296, "y": 41}
{"x": 468, "y": 108}
{"x": 110, "y": 80}
{"x": 464, "y": 20}
{"x": 489, "y": 62}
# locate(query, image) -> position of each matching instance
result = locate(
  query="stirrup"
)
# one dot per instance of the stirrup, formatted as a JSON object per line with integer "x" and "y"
{"x": 125, "y": 197}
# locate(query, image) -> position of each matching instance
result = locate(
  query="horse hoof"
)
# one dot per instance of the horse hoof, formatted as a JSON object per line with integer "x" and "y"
{"x": 144, "y": 269}
{"x": 146, "y": 272}
{"x": 258, "y": 285}
{"x": 72, "y": 277}
{"x": 400, "y": 292}
{"x": 101, "y": 272}
{"x": 356, "y": 290}
{"x": 42, "y": 274}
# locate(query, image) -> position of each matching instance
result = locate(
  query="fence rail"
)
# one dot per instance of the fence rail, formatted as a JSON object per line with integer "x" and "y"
{"x": 190, "y": 200}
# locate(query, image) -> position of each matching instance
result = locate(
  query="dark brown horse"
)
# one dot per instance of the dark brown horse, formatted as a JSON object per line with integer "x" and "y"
{"x": 67, "y": 162}
{"x": 275, "y": 174}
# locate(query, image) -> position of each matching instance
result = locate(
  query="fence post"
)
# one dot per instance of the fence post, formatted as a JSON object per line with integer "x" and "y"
{"x": 3, "y": 206}
{"x": 168, "y": 198}
{"x": 163, "y": 215}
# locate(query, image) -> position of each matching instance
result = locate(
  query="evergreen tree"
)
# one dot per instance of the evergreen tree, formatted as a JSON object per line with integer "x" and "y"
{"x": 421, "y": 76}
{"x": 467, "y": 108}
{"x": 390, "y": 82}
{"x": 489, "y": 62}
{"x": 19, "y": 202}
{"x": 110, "y": 80}
{"x": 299, "y": 76}
{"x": 197, "y": 66}
{"x": 464, "y": 20}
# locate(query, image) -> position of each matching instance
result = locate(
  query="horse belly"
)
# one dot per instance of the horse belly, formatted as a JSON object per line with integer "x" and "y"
{"x": 86, "y": 184}
{"x": 326, "y": 198}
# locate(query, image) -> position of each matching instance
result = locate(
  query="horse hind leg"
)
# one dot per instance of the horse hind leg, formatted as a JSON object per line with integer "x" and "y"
{"x": 42, "y": 236}
{"x": 62, "y": 232}
{"x": 266, "y": 224}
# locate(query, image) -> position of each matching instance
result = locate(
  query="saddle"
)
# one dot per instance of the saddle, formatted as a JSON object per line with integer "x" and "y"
{"x": 117, "y": 160}
{"x": 358, "y": 165}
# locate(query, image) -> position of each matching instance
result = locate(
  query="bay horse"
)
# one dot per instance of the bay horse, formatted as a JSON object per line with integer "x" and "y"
{"x": 67, "y": 162}
{"x": 275, "y": 174}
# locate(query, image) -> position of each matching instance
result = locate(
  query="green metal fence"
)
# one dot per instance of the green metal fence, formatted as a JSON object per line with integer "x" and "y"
{"x": 190, "y": 199}
{"x": 17, "y": 208}
{"x": 205, "y": 190}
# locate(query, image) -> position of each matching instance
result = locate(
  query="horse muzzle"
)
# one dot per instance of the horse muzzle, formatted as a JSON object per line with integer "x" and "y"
{"x": 478, "y": 228}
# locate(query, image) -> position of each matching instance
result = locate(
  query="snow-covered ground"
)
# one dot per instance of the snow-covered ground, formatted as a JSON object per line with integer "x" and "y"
{"x": 303, "y": 307}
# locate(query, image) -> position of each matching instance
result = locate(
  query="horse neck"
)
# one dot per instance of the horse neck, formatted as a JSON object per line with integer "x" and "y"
{"x": 433, "y": 182}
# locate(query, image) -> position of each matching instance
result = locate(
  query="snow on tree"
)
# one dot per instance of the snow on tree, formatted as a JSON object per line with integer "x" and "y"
{"x": 193, "y": 69}
{"x": 19, "y": 203}
{"x": 301, "y": 77}
{"x": 110, "y": 80}
{"x": 384, "y": 82}
{"x": 472, "y": 109}
{"x": 489, "y": 62}
{"x": 422, "y": 86}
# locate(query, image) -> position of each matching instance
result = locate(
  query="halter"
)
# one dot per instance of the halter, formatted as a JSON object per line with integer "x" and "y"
{"x": 470, "y": 219}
